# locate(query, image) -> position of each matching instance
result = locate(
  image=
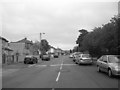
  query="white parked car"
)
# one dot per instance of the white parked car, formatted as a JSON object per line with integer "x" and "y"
{"x": 71, "y": 55}
{"x": 84, "y": 59}
{"x": 109, "y": 64}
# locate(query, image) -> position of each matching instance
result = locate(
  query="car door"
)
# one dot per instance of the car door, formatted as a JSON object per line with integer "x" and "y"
{"x": 99, "y": 62}
{"x": 105, "y": 63}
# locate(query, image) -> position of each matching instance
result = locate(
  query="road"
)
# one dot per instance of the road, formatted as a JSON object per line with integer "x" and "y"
{"x": 59, "y": 72}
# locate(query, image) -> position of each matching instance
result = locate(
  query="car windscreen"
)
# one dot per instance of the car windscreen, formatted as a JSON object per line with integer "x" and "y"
{"x": 114, "y": 59}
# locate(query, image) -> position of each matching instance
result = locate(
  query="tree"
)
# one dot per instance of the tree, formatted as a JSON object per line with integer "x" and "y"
{"x": 102, "y": 40}
{"x": 83, "y": 32}
{"x": 75, "y": 49}
{"x": 44, "y": 46}
{"x": 35, "y": 47}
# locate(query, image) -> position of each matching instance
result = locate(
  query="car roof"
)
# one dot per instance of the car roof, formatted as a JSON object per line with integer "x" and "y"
{"x": 29, "y": 56}
{"x": 110, "y": 55}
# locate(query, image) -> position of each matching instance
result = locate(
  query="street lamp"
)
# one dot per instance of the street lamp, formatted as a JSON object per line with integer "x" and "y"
{"x": 41, "y": 36}
{"x": 40, "y": 43}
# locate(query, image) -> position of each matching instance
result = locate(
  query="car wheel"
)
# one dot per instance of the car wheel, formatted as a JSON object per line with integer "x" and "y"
{"x": 79, "y": 63}
{"x": 27, "y": 62}
{"x": 24, "y": 62}
{"x": 98, "y": 69}
{"x": 110, "y": 73}
{"x": 33, "y": 62}
{"x": 36, "y": 61}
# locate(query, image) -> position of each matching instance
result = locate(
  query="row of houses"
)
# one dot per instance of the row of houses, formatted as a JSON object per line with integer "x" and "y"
{"x": 13, "y": 52}
{"x": 53, "y": 50}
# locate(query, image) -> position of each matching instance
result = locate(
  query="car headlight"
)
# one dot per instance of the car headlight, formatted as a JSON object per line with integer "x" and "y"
{"x": 116, "y": 68}
{"x": 81, "y": 60}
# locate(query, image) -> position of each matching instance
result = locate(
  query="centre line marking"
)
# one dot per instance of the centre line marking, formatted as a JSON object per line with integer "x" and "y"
{"x": 58, "y": 77}
{"x": 61, "y": 65}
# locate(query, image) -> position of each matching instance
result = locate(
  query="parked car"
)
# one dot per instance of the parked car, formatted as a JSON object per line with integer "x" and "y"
{"x": 56, "y": 55}
{"x": 84, "y": 59}
{"x": 76, "y": 56}
{"x": 109, "y": 64}
{"x": 71, "y": 55}
{"x": 30, "y": 59}
{"x": 45, "y": 57}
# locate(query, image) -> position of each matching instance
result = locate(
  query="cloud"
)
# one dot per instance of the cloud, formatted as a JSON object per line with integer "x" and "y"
{"x": 59, "y": 19}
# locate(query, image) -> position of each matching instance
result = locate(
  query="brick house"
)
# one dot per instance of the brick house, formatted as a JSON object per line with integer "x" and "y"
{"x": 6, "y": 51}
{"x": 21, "y": 49}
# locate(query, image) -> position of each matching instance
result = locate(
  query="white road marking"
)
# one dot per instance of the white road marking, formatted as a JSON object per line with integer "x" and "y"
{"x": 58, "y": 77}
{"x": 61, "y": 67}
{"x": 69, "y": 64}
{"x": 59, "y": 71}
{"x": 40, "y": 65}
{"x": 31, "y": 65}
{"x": 55, "y": 65}
{"x": 62, "y": 64}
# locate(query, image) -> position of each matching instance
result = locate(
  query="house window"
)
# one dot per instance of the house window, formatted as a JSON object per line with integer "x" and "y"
{"x": 27, "y": 46}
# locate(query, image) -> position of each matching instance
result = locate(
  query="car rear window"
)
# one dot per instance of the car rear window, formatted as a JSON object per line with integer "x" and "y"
{"x": 86, "y": 55}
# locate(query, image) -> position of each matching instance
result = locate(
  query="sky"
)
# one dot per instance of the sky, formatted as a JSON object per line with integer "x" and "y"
{"x": 60, "y": 20}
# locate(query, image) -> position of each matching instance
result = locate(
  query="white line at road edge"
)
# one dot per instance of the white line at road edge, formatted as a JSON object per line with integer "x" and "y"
{"x": 62, "y": 64}
{"x": 40, "y": 65}
{"x": 31, "y": 65}
{"x": 69, "y": 64}
{"x": 58, "y": 77}
{"x": 55, "y": 65}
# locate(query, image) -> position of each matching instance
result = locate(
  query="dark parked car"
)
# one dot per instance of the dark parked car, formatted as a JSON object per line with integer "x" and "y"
{"x": 109, "y": 64}
{"x": 56, "y": 55}
{"x": 45, "y": 57}
{"x": 30, "y": 59}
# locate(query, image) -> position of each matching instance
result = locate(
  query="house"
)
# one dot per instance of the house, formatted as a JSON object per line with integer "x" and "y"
{"x": 51, "y": 51}
{"x": 54, "y": 50}
{"x": 59, "y": 51}
{"x": 6, "y": 51}
{"x": 21, "y": 48}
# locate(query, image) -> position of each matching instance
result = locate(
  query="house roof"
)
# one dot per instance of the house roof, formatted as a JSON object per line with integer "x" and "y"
{"x": 3, "y": 39}
{"x": 52, "y": 47}
{"x": 23, "y": 41}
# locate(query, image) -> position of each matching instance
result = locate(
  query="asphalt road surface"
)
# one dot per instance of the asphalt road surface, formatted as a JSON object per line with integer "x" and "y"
{"x": 59, "y": 72}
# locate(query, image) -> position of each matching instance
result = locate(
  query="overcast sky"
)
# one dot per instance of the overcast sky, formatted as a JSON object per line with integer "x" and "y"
{"x": 60, "y": 20}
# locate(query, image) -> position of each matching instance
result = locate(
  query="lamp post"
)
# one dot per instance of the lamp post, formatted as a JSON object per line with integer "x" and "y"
{"x": 40, "y": 43}
{"x": 41, "y": 36}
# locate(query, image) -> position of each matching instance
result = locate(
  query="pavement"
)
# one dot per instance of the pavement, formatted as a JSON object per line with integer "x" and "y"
{"x": 59, "y": 72}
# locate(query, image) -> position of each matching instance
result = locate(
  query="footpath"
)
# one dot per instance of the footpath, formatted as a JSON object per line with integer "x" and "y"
{"x": 10, "y": 68}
